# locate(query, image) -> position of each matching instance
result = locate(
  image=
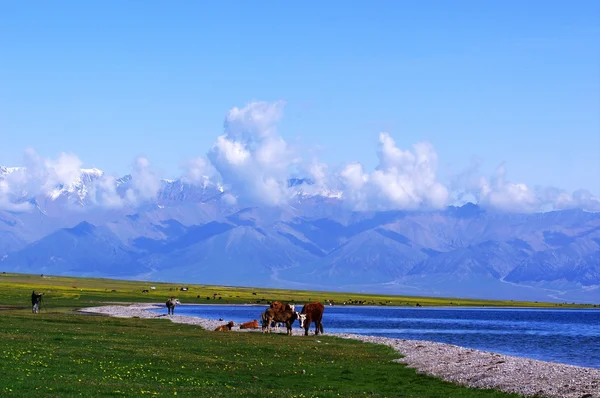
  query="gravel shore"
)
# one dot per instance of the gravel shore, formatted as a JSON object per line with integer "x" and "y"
{"x": 459, "y": 365}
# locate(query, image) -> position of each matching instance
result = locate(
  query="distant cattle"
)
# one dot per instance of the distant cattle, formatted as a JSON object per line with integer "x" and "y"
{"x": 183, "y": 289}
{"x": 271, "y": 315}
{"x": 145, "y": 291}
{"x": 225, "y": 328}
{"x": 249, "y": 325}
{"x": 312, "y": 312}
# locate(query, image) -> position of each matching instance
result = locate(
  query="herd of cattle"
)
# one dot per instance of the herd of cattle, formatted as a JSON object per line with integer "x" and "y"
{"x": 276, "y": 314}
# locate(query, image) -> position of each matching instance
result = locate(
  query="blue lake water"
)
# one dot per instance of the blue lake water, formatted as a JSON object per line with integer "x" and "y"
{"x": 565, "y": 336}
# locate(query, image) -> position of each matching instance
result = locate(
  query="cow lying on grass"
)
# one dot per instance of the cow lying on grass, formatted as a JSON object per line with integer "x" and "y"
{"x": 249, "y": 325}
{"x": 225, "y": 328}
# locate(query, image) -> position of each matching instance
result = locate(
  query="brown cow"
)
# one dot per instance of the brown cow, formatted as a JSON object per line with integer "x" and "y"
{"x": 249, "y": 325}
{"x": 287, "y": 317}
{"x": 280, "y": 306}
{"x": 312, "y": 312}
{"x": 225, "y": 328}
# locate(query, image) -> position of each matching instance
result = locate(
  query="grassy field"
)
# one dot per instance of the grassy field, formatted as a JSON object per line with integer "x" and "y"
{"x": 64, "y": 354}
{"x": 68, "y": 292}
{"x": 59, "y": 352}
{"x": 69, "y": 354}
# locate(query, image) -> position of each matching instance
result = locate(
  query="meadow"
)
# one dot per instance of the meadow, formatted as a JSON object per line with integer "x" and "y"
{"x": 70, "y": 292}
{"x": 60, "y": 351}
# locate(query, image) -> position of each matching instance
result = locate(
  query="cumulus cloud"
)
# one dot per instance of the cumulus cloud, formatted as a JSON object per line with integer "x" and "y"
{"x": 144, "y": 184}
{"x": 39, "y": 176}
{"x": 499, "y": 193}
{"x": 254, "y": 164}
{"x": 251, "y": 159}
{"x": 505, "y": 195}
{"x": 559, "y": 199}
{"x": 103, "y": 192}
{"x": 403, "y": 179}
{"x": 198, "y": 170}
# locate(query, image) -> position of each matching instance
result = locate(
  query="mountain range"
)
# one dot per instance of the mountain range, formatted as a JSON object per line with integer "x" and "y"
{"x": 187, "y": 232}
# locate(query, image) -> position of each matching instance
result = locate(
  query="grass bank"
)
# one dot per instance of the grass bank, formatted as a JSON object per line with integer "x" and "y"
{"x": 58, "y": 353}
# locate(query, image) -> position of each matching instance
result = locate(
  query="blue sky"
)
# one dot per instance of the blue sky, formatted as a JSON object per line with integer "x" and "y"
{"x": 500, "y": 81}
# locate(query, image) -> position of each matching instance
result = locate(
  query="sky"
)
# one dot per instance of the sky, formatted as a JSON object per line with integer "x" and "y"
{"x": 510, "y": 89}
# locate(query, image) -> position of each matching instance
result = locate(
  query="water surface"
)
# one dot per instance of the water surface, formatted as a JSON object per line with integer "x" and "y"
{"x": 570, "y": 336}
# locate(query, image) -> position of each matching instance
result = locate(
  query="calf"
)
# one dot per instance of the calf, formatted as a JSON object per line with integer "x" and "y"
{"x": 249, "y": 325}
{"x": 225, "y": 328}
{"x": 286, "y": 316}
{"x": 312, "y": 312}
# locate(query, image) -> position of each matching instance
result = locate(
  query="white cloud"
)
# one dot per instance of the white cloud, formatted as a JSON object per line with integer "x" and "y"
{"x": 254, "y": 164}
{"x": 403, "y": 179}
{"x": 505, "y": 195}
{"x": 103, "y": 192}
{"x": 558, "y": 199}
{"x": 198, "y": 170}
{"x": 144, "y": 184}
{"x": 252, "y": 160}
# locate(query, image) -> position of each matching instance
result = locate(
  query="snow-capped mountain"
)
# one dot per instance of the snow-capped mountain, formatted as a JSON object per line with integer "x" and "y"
{"x": 188, "y": 231}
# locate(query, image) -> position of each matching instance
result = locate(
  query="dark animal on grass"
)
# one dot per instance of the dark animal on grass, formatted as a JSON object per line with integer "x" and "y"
{"x": 225, "y": 328}
{"x": 36, "y": 301}
{"x": 288, "y": 317}
{"x": 171, "y": 303}
{"x": 145, "y": 291}
{"x": 250, "y": 325}
{"x": 312, "y": 312}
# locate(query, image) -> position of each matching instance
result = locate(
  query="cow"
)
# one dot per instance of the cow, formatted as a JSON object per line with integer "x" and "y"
{"x": 280, "y": 306}
{"x": 288, "y": 317}
{"x": 312, "y": 312}
{"x": 249, "y": 325}
{"x": 171, "y": 303}
{"x": 145, "y": 291}
{"x": 225, "y": 328}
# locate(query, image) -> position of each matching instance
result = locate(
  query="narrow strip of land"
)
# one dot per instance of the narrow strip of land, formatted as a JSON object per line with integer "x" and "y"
{"x": 465, "y": 366}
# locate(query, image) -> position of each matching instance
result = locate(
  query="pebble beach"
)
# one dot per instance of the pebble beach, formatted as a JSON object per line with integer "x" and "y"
{"x": 464, "y": 366}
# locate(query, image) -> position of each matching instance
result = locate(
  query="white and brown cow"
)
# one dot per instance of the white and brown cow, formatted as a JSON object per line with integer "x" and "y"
{"x": 312, "y": 312}
{"x": 171, "y": 303}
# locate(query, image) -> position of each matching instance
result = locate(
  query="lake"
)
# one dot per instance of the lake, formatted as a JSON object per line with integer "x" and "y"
{"x": 566, "y": 336}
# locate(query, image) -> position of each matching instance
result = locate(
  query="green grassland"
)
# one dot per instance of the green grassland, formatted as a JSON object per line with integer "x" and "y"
{"x": 64, "y": 354}
{"x": 70, "y": 292}
{"x": 61, "y": 352}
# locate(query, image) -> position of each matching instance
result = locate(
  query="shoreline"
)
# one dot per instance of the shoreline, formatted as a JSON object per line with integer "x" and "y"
{"x": 460, "y": 365}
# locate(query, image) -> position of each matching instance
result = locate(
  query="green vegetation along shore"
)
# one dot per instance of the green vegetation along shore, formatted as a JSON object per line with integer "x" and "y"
{"x": 70, "y": 292}
{"x": 62, "y": 352}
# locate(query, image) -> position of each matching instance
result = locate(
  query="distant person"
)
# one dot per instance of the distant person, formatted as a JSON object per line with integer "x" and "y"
{"x": 36, "y": 301}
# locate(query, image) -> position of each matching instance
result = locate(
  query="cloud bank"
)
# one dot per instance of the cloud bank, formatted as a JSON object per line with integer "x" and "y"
{"x": 254, "y": 164}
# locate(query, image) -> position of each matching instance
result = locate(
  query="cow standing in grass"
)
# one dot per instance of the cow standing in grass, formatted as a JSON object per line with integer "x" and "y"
{"x": 281, "y": 306}
{"x": 285, "y": 316}
{"x": 171, "y": 303}
{"x": 312, "y": 312}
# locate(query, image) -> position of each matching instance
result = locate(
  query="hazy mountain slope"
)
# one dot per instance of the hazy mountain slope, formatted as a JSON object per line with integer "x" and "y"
{"x": 373, "y": 256}
{"x": 82, "y": 250}
{"x": 235, "y": 255}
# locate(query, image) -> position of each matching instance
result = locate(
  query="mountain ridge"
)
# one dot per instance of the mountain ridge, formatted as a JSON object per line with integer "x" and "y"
{"x": 190, "y": 231}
